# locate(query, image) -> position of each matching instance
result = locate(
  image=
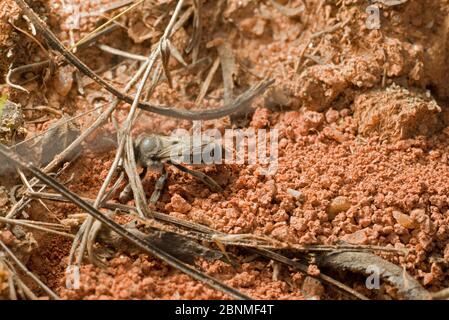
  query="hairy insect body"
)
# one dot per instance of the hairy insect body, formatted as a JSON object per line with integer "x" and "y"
{"x": 153, "y": 152}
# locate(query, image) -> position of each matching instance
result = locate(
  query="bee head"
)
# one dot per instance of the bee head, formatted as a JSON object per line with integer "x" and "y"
{"x": 146, "y": 149}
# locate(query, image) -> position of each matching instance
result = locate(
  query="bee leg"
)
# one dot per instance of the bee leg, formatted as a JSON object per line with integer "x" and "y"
{"x": 160, "y": 183}
{"x": 204, "y": 178}
{"x": 127, "y": 192}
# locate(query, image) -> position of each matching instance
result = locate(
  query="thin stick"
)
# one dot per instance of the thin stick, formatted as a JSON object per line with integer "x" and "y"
{"x": 330, "y": 29}
{"x": 107, "y": 23}
{"x": 32, "y": 38}
{"x": 229, "y": 239}
{"x": 237, "y": 105}
{"x": 11, "y": 84}
{"x": 23, "y": 267}
{"x": 23, "y": 289}
{"x": 31, "y": 226}
{"x": 124, "y": 142}
{"x": 12, "y": 288}
{"x": 210, "y": 234}
{"x": 117, "y": 228}
{"x": 45, "y": 109}
{"x": 110, "y": 7}
{"x": 39, "y": 223}
{"x": 23, "y": 202}
{"x": 303, "y": 268}
{"x": 440, "y": 295}
{"x": 97, "y": 35}
{"x": 88, "y": 223}
{"x": 122, "y": 53}
{"x": 30, "y": 188}
{"x": 22, "y": 69}
{"x": 207, "y": 81}
{"x": 63, "y": 155}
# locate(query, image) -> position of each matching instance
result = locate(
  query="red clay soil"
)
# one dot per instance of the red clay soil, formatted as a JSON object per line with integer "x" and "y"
{"x": 363, "y": 140}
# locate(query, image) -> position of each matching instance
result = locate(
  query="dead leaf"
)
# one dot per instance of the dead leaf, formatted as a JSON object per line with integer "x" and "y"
{"x": 360, "y": 262}
{"x": 176, "y": 245}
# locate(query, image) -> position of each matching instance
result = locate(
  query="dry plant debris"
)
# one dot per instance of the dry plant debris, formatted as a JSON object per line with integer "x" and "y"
{"x": 362, "y": 177}
{"x": 11, "y": 122}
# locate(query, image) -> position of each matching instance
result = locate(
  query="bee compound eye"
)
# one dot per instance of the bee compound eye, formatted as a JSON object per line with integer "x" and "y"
{"x": 147, "y": 145}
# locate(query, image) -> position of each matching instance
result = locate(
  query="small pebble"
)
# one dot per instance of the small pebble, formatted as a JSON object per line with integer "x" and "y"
{"x": 295, "y": 193}
{"x": 404, "y": 220}
{"x": 358, "y": 237}
{"x": 179, "y": 204}
{"x": 339, "y": 204}
{"x": 312, "y": 289}
{"x": 63, "y": 80}
{"x": 7, "y": 237}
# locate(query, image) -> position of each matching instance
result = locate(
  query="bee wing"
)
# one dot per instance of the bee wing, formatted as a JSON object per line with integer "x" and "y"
{"x": 171, "y": 146}
{"x": 225, "y": 147}
{"x": 211, "y": 144}
{"x": 182, "y": 150}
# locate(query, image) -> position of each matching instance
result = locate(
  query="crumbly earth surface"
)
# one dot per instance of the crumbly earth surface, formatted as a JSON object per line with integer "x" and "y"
{"x": 363, "y": 130}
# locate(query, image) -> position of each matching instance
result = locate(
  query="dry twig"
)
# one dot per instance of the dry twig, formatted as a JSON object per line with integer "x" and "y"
{"x": 113, "y": 226}
{"x": 239, "y": 104}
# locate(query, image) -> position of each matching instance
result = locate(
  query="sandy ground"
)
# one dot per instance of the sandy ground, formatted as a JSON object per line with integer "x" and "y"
{"x": 362, "y": 119}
